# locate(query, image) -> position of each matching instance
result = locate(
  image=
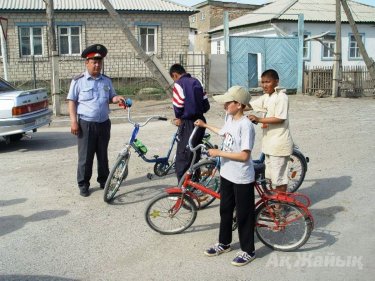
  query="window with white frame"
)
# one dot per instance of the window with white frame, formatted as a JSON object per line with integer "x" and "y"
{"x": 306, "y": 47}
{"x": 203, "y": 16}
{"x": 193, "y": 18}
{"x": 354, "y": 52}
{"x": 31, "y": 41}
{"x": 218, "y": 47}
{"x": 329, "y": 42}
{"x": 148, "y": 39}
{"x": 69, "y": 40}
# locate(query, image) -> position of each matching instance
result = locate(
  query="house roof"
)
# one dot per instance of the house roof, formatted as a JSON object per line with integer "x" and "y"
{"x": 313, "y": 10}
{"x": 226, "y": 4}
{"x": 120, "y": 5}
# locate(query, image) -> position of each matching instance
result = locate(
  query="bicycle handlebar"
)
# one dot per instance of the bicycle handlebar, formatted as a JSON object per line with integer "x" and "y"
{"x": 128, "y": 103}
{"x": 191, "y": 140}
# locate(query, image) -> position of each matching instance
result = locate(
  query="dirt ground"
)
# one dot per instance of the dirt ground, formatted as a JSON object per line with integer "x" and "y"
{"x": 49, "y": 232}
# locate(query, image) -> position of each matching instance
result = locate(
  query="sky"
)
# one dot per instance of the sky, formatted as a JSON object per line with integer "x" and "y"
{"x": 193, "y": 2}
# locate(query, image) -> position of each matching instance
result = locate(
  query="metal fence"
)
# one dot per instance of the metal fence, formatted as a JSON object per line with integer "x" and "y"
{"x": 356, "y": 81}
{"x": 128, "y": 72}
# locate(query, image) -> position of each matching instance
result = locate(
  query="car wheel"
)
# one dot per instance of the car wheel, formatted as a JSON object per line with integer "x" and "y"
{"x": 16, "y": 137}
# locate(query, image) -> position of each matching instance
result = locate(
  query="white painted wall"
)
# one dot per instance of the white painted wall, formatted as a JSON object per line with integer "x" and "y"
{"x": 316, "y": 48}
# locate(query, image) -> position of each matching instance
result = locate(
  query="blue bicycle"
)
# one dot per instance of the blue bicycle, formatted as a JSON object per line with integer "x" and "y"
{"x": 162, "y": 165}
{"x": 120, "y": 169}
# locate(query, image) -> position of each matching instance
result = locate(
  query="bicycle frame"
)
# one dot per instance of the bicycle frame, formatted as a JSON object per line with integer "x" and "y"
{"x": 134, "y": 134}
{"x": 264, "y": 193}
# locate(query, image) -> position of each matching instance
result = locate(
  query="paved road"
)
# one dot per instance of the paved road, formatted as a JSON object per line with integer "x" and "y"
{"x": 49, "y": 232}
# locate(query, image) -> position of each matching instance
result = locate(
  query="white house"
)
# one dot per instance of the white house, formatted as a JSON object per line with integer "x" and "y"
{"x": 280, "y": 19}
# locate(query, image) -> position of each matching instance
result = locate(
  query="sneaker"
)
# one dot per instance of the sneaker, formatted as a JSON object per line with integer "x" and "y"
{"x": 217, "y": 249}
{"x": 243, "y": 258}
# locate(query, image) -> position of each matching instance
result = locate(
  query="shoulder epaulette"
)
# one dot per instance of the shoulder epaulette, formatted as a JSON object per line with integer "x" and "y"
{"x": 106, "y": 76}
{"x": 78, "y": 76}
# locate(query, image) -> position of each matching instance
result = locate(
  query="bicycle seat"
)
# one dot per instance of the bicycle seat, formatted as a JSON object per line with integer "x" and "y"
{"x": 259, "y": 169}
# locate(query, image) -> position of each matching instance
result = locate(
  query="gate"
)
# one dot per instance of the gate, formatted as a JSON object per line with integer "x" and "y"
{"x": 278, "y": 53}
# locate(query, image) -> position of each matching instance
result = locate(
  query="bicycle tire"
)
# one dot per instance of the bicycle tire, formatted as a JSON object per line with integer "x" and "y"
{"x": 207, "y": 176}
{"x": 116, "y": 176}
{"x": 286, "y": 236}
{"x": 297, "y": 167}
{"x": 158, "y": 213}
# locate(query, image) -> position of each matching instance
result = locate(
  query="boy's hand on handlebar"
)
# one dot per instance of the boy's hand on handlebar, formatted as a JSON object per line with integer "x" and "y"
{"x": 176, "y": 121}
{"x": 199, "y": 123}
{"x": 214, "y": 152}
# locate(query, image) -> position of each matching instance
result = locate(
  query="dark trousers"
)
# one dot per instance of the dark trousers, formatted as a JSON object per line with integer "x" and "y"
{"x": 93, "y": 139}
{"x": 183, "y": 154}
{"x": 241, "y": 197}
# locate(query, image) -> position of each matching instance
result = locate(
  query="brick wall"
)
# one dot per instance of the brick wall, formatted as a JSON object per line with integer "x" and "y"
{"x": 96, "y": 27}
{"x": 214, "y": 16}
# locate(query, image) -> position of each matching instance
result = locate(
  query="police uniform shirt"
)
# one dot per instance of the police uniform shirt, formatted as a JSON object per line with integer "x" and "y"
{"x": 92, "y": 96}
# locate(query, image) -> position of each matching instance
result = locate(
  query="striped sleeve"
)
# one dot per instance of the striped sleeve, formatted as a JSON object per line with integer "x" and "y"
{"x": 178, "y": 96}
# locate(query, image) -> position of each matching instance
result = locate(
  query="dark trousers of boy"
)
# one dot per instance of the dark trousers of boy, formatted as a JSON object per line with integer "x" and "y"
{"x": 93, "y": 139}
{"x": 241, "y": 197}
{"x": 183, "y": 154}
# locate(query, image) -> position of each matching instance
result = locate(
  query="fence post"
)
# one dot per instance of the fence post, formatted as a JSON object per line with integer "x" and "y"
{"x": 300, "y": 53}
{"x": 34, "y": 71}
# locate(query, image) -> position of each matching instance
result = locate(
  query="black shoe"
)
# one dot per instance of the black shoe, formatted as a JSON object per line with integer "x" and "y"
{"x": 84, "y": 191}
{"x": 102, "y": 185}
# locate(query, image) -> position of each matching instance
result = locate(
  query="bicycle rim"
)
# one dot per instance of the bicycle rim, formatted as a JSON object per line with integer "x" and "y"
{"x": 118, "y": 173}
{"x": 287, "y": 231}
{"x": 163, "y": 215}
{"x": 296, "y": 171}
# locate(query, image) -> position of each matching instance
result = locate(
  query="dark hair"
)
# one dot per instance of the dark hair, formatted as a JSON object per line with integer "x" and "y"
{"x": 271, "y": 73}
{"x": 177, "y": 68}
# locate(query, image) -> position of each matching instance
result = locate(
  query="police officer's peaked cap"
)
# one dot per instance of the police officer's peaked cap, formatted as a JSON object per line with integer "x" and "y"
{"x": 94, "y": 51}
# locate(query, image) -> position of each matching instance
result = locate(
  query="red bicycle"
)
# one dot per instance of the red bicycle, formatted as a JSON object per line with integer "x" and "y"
{"x": 283, "y": 221}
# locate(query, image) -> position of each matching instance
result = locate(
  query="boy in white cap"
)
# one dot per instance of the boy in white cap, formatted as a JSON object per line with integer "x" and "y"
{"x": 236, "y": 175}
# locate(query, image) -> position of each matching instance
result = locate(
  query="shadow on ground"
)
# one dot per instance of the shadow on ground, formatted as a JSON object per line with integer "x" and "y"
{"x": 12, "y": 223}
{"x": 41, "y": 141}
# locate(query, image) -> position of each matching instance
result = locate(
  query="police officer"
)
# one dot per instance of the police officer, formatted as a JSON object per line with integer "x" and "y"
{"x": 190, "y": 102}
{"x": 89, "y": 96}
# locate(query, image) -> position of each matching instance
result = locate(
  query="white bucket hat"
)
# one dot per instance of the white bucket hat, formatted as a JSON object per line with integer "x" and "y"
{"x": 235, "y": 93}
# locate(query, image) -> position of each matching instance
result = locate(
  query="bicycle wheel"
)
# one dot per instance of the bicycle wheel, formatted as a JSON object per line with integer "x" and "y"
{"x": 118, "y": 173}
{"x": 162, "y": 213}
{"x": 207, "y": 174}
{"x": 297, "y": 167}
{"x": 285, "y": 230}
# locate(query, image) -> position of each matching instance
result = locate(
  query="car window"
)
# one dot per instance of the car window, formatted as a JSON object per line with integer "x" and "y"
{"x": 5, "y": 87}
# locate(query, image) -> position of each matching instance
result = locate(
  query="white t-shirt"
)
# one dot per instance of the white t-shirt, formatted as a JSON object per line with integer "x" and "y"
{"x": 238, "y": 135}
{"x": 277, "y": 140}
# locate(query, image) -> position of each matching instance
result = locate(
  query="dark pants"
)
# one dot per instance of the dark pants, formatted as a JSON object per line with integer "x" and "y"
{"x": 183, "y": 154}
{"x": 241, "y": 197}
{"x": 93, "y": 139}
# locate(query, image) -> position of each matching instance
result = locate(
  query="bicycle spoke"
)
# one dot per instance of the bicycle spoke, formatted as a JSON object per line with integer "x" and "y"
{"x": 164, "y": 216}
{"x": 283, "y": 226}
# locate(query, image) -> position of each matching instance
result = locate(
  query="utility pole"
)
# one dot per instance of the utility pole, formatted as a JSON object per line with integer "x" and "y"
{"x": 368, "y": 61}
{"x": 337, "y": 64}
{"x": 53, "y": 54}
{"x": 153, "y": 64}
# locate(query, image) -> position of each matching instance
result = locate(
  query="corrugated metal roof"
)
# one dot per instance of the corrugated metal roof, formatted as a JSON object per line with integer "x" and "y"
{"x": 313, "y": 10}
{"x": 125, "y": 5}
